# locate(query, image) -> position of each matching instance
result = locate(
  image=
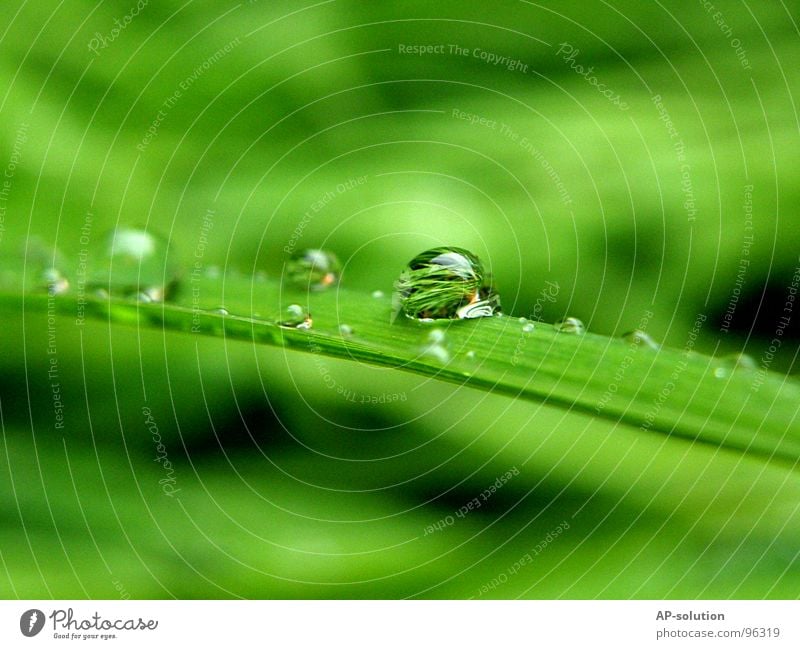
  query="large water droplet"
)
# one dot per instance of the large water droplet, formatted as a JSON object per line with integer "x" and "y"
{"x": 132, "y": 263}
{"x": 641, "y": 339}
{"x": 570, "y": 326}
{"x": 726, "y": 365}
{"x": 444, "y": 283}
{"x": 295, "y": 317}
{"x": 313, "y": 269}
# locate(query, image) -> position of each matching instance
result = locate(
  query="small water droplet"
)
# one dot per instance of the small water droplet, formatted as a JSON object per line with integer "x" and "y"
{"x": 470, "y": 355}
{"x": 570, "y": 326}
{"x": 527, "y": 328}
{"x": 640, "y": 338}
{"x": 54, "y": 282}
{"x": 436, "y": 336}
{"x": 734, "y": 362}
{"x": 220, "y": 310}
{"x": 132, "y": 263}
{"x": 213, "y": 272}
{"x": 296, "y": 318}
{"x": 444, "y": 283}
{"x": 522, "y": 320}
{"x": 313, "y": 269}
{"x": 101, "y": 293}
{"x": 377, "y": 294}
{"x": 345, "y": 330}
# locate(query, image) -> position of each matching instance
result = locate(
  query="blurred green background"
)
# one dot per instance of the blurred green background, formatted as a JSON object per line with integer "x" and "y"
{"x": 241, "y": 130}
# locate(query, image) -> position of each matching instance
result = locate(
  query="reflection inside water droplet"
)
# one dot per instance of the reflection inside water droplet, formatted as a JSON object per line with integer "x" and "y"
{"x": 570, "y": 326}
{"x": 313, "y": 269}
{"x": 444, "y": 283}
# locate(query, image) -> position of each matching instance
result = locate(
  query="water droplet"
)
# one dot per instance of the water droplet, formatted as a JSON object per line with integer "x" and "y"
{"x": 527, "y": 328}
{"x": 345, "y": 330}
{"x": 313, "y": 269}
{"x": 132, "y": 263}
{"x": 522, "y": 320}
{"x": 32, "y": 266}
{"x": 734, "y": 362}
{"x": 444, "y": 283}
{"x": 54, "y": 282}
{"x": 470, "y": 355}
{"x": 220, "y": 310}
{"x": 640, "y": 338}
{"x": 570, "y": 326}
{"x": 377, "y": 294}
{"x": 296, "y": 318}
{"x": 213, "y": 272}
{"x": 436, "y": 336}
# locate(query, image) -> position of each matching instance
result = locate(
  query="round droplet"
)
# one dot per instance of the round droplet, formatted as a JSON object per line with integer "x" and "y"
{"x": 437, "y": 336}
{"x": 132, "y": 263}
{"x": 641, "y": 339}
{"x": 296, "y": 317}
{"x": 220, "y": 310}
{"x": 726, "y": 365}
{"x": 377, "y": 294}
{"x": 527, "y": 328}
{"x": 345, "y": 330}
{"x": 54, "y": 282}
{"x": 570, "y": 326}
{"x": 470, "y": 355}
{"x": 444, "y": 283}
{"x": 313, "y": 269}
{"x": 522, "y": 320}
{"x": 32, "y": 266}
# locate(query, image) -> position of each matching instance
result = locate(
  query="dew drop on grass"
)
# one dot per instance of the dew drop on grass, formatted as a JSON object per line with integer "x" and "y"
{"x": 33, "y": 266}
{"x": 295, "y": 317}
{"x": 726, "y": 365}
{"x": 345, "y": 330}
{"x": 220, "y": 310}
{"x": 132, "y": 263}
{"x": 528, "y": 328}
{"x": 641, "y": 339}
{"x": 313, "y": 269}
{"x": 570, "y": 326}
{"x": 377, "y": 294}
{"x": 470, "y": 355}
{"x": 444, "y": 283}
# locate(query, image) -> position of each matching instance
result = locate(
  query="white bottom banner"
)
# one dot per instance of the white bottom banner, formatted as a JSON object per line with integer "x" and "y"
{"x": 400, "y": 624}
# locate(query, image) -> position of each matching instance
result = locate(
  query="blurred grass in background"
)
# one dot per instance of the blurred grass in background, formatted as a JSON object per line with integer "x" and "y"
{"x": 238, "y": 130}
